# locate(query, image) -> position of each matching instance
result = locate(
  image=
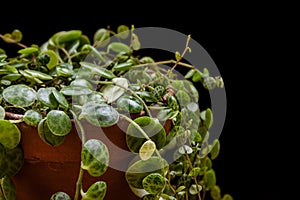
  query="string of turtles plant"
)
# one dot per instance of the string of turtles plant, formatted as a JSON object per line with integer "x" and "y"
{"x": 50, "y": 85}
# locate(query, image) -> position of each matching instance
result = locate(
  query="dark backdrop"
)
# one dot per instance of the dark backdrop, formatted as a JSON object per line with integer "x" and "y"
{"x": 244, "y": 166}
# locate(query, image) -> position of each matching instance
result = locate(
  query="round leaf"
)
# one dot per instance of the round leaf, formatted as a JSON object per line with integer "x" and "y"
{"x": 95, "y": 157}
{"x": 10, "y": 135}
{"x": 130, "y": 104}
{"x": 151, "y": 127}
{"x": 8, "y": 188}
{"x": 183, "y": 98}
{"x": 13, "y": 160}
{"x": 99, "y": 114}
{"x": 2, "y": 113}
{"x": 46, "y": 97}
{"x": 118, "y": 47}
{"x": 154, "y": 183}
{"x": 215, "y": 192}
{"x": 60, "y": 98}
{"x": 47, "y": 136}
{"x": 75, "y": 91}
{"x": 142, "y": 168}
{"x": 193, "y": 189}
{"x": 32, "y": 117}
{"x": 82, "y": 83}
{"x": 96, "y": 69}
{"x": 147, "y": 150}
{"x": 59, "y": 122}
{"x": 19, "y": 95}
{"x": 123, "y": 31}
{"x": 60, "y": 196}
{"x": 113, "y": 92}
{"x": 96, "y": 191}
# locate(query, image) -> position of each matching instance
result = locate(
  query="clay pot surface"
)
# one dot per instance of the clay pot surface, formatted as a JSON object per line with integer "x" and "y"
{"x": 49, "y": 169}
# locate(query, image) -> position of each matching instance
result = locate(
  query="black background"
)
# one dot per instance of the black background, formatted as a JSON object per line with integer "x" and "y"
{"x": 233, "y": 35}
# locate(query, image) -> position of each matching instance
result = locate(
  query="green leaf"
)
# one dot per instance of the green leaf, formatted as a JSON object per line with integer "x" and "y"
{"x": 154, "y": 183}
{"x": 96, "y": 191}
{"x": 151, "y": 127}
{"x": 13, "y": 162}
{"x": 10, "y": 134}
{"x": 99, "y": 114}
{"x": 59, "y": 122}
{"x": 8, "y": 188}
{"x": 95, "y": 157}
{"x": 123, "y": 31}
{"x": 193, "y": 189}
{"x": 166, "y": 114}
{"x": 197, "y": 76}
{"x": 210, "y": 178}
{"x": 47, "y": 136}
{"x": 118, "y": 47}
{"x": 64, "y": 72}
{"x": 147, "y": 150}
{"x": 32, "y": 117}
{"x": 142, "y": 168}
{"x": 102, "y": 37}
{"x": 195, "y": 172}
{"x": 17, "y": 35}
{"x": 19, "y": 95}
{"x": 11, "y": 77}
{"x": 123, "y": 66}
{"x": 28, "y": 50}
{"x": 75, "y": 91}
{"x": 60, "y": 196}
{"x": 68, "y": 36}
{"x": 113, "y": 92}
{"x": 39, "y": 75}
{"x": 215, "y": 149}
{"x": 227, "y": 197}
{"x": 215, "y": 193}
{"x": 53, "y": 61}
{"x": 129, "y": 104}
{"x": 60, "y": 98}
{"x": 96, "y": 69}
{"x": 180, "y": 188}
{"x": 208, "y": 118}
{"x": 2, "y": 112}
{"x": 183, "y": 98}
{"x": 177, "y": 56}
{"x": 135, "y": 43}
{"x": 190, "y": 73}
{"x": 46, "y": 97}
{"x": 82, "y": 83}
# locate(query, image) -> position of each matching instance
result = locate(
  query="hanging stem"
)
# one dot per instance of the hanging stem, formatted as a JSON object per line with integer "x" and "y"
{"x": 80, "y": 175}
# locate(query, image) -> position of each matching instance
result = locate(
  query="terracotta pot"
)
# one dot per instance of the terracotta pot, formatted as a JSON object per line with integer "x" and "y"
{"x": 50, "y": 169}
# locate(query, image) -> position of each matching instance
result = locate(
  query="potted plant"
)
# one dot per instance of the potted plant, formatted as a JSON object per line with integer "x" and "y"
{"x": 78, "y": 119}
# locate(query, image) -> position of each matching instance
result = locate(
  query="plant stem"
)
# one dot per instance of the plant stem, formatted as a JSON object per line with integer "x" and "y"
{"x": 183, "y": 53}
{"x": 163, "y": 63}
{"x": 12, "y": 41}
{"x": 80, "y": 175}
{"x": 136, "y": 126}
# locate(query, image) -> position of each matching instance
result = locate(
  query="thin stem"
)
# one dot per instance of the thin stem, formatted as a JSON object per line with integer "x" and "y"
{"x": 12, "y": 41}
{"x": 67, "y": 54}
{"x": 171, "y": 187}
{"x": 182, "y": 55}
{"x": 80, "y": 175}
{"x": 136, "y": 126}
{"x": 163, "y": 63}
